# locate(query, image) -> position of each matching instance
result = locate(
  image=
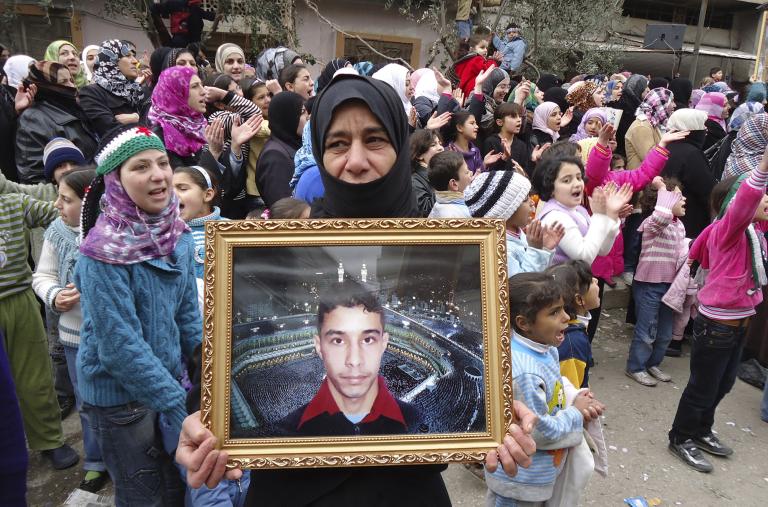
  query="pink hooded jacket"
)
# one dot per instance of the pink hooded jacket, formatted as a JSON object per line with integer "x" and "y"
{"x": 598, "y": 172}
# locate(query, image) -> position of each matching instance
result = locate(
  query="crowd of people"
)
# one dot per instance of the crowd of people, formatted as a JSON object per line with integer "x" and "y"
{"x": 110, "y": 169}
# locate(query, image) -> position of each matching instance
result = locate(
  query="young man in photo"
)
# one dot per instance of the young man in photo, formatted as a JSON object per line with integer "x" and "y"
{"x": 353, "y": 399}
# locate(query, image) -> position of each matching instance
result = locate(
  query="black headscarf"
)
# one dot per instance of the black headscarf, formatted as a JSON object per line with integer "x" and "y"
{"x": 557, "y": 95}
{"x": 547, "y": 81}
{"x": 682, "y": 89}
{"x": 44, "y": 75}
{"x": 157, "y": 61}
{"x": 284, "y": 114}
{"x": 658, "y": 82}
{"x": 329, "y": 71}
{"x": 390, "y": 196}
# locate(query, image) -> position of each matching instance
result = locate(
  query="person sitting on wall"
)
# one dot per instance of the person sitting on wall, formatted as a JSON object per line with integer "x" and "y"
{"x": 353, "y": 399}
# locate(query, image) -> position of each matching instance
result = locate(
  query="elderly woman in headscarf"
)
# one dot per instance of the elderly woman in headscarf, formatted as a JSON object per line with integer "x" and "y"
{"x": 65, "y": 53}
{"x": 716, "y": 106}
{"x": 114, "y": 97}
{"x": 230, "y": 60}
{"x": 54, "y": 113}
{"x": 634, "y": 91}
{"x": 649, "y": 125}
{"x": 688, "y": 164}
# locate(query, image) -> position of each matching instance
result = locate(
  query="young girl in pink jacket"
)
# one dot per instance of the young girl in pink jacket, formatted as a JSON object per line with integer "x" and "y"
{"x": 732, "y": 251}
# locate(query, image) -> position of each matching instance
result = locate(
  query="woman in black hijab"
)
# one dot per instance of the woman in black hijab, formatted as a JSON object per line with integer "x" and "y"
{"x": 275, "y": 166}
{"x": 329, "y": 70}
{"x": 347, "y": 193}
{"x": 682, "y": 89}
{"x": 631, "y": 98}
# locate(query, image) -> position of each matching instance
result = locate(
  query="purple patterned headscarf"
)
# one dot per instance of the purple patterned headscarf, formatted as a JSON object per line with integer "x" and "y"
{"x": 183, "y": 127}
{"x": 124, "y": 234}
{"x": 581, "y": 132}
{"x": 696, "y": 96}
{"x": 656, "y": 106}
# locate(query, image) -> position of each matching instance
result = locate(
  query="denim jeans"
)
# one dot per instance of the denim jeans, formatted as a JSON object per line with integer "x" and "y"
{"x": 715, "y": 357}
{"x": 764, "y": 407}
{"x": 464, "y": 28}
{"x": 653, "y": 330}
{"x": 131, "y": 445}
{"x": 93, "y": 461}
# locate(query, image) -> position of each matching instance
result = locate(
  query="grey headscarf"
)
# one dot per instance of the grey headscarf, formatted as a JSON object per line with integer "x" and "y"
{"x": 634, "y": 87}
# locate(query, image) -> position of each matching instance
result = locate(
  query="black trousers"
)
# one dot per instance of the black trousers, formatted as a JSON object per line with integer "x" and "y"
{"x": 715, "y": 356}
{"x": 595, "y": 320}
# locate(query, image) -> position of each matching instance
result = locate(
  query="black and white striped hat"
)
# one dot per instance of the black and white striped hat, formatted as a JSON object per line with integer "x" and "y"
{"x": 496, "y": 194}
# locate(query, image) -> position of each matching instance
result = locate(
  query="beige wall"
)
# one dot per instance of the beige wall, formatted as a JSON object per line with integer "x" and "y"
{"x": 97, "y": 28}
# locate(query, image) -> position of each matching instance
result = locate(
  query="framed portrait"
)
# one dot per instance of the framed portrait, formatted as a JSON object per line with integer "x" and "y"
{"x": 356, "y": 342}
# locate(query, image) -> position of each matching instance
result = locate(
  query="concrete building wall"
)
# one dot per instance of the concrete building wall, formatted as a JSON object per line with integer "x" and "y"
{"x": 96, "y": 27}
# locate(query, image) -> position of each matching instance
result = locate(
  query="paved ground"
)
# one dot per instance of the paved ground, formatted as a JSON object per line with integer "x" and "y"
{"x": 636, "y": 424}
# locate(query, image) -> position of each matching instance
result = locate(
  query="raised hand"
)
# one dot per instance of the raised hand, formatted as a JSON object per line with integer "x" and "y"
{"x": 458, "y": 94}
{"x": 522, "y": 92}
{"x": 552, "y": 234}
{"x": 597, "y": 201}
{"x": 615, "y": 199}
{"x": 214, "y": 94}
{"x": 25, "y": 96}
{"x": 567, "y": 117}
{"x": 670, "y": 137}
{"x": 443, "y": 83}
{"x": 538, "y": 151}
{"x": 242, "y": 133}
{"x": 273, "y": 86}
{"x": 437, "y": 122}
{"x": 482, "y": 76}
{"x": 506, "y": 149}
{"x": 534, "y": 234}
{"x": 412, "y": 117}
{"x": 214, "y": 134}
{"x": 606, "y": 134}
{"x": 491, "y": 158}
{"x": 658, "y": 183}
{"x": 625, "y": 211}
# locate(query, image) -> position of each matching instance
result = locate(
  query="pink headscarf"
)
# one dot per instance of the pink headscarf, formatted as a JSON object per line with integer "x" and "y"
{"x": 540, "y": 117}
{"x": 416, "y": 75}
{"x": 183, "y": 127}
{"x": 713, "y": 104}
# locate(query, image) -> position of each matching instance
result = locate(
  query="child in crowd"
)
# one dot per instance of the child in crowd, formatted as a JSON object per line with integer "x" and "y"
{"x": 197, "y": 190}
{"x": 461, "y": 135}
{"x": 562, "y": 187}
{"x": 733, "y": 249}
{"x": 449, "y": 176}
{"x": 22, "y": 326}
{"x": 289, "y": 208}
{"x": 465, "y": 70}
{"x": 506, "y": 195}
{"x": 59, "y": 157}
{"x": 581, "y": 294}
{"x": 538, "y": 323}
{"x": 663, "y": 238}
{"x": 508, "y": 119}
{"x": 136, "y": 276}
{"x": 424, "y": 144}
{"x": 681, "y": 298}
{"x": 53, "y": 283}
{"x": 618, "y": 162}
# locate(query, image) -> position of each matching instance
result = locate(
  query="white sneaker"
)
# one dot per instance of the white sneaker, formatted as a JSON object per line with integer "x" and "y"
{"x": 642, "y": 377}
{"x": 658, "y": 374}
{"x": 627, "y": 277}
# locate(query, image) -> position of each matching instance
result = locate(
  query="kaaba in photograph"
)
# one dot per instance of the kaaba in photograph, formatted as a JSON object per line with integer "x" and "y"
{"x": 356, "y": 340}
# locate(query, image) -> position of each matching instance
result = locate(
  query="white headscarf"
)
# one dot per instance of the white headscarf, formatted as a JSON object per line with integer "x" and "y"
{"x": 17, "y": 69}
{"x": 395, "y": 76}
{"x": 84, "y": 58}
{"x": 427, "y": 87}
{"x": 687, "y": 119}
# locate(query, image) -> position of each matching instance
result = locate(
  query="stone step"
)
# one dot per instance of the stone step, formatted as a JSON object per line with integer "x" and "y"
{"x": 616, "y": 297}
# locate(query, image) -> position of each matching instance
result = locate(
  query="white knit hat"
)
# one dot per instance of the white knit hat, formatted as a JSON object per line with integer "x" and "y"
{"x": 496, "y": 194}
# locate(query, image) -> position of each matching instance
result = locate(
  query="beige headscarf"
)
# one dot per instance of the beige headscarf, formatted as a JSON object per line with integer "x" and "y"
{"x": 224, "y": 51}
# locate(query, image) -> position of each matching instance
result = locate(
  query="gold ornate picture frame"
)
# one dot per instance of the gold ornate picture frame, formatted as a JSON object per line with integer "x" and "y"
{"x": 268, "y": 370}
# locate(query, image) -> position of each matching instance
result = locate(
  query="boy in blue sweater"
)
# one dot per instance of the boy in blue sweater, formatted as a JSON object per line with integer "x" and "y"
{"x": 539, "y": 320}
{"x": 512, "y": 48}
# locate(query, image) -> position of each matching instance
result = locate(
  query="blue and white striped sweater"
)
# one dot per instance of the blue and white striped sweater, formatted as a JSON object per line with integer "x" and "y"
{"x": 537, "y": 383}
{"x": 198, "y": 235}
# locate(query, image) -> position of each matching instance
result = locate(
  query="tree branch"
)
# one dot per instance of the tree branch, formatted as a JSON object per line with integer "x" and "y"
{"x": 313, "y": 7}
